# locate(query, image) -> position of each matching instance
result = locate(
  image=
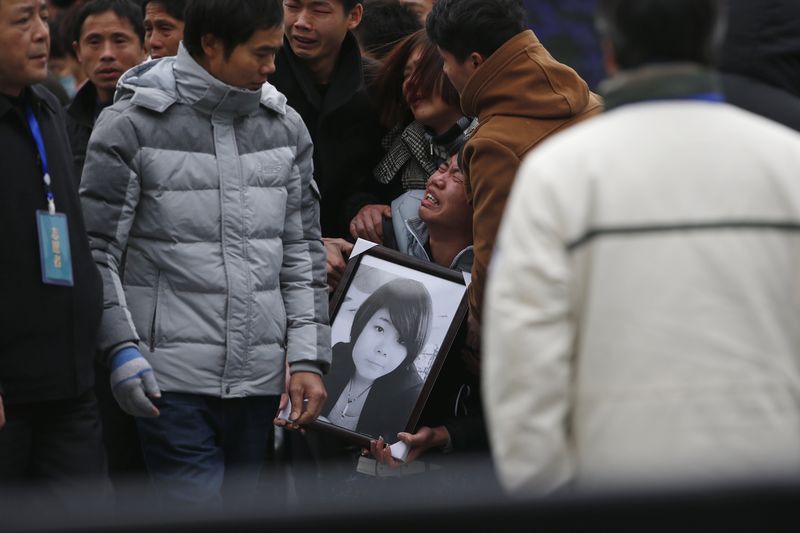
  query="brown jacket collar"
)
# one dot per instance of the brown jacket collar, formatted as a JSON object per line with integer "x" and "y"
{"x": 522, "y": 79}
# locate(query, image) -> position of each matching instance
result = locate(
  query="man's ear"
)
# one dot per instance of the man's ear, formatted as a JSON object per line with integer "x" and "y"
{"x": 212, "y": 47}
{"x": 476, "y": 59}
{"x": 76, "y": 47}
{"x": 354, "y": 17}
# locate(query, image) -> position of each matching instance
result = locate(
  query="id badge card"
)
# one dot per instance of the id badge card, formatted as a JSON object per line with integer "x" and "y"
{"x": 54, "y": 249}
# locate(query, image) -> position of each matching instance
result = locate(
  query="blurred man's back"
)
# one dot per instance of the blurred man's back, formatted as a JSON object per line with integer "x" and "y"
{"x": 641, "y": 312}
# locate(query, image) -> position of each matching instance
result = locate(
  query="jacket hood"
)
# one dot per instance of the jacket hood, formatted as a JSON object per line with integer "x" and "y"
{"x": 522, "y": 79}
{"x": 159, "y": 83}
{"x": 763, "y": 42}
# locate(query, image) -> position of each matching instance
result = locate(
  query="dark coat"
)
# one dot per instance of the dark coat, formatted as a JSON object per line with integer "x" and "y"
{"x": 761, "y": 59}
{"x": 762, "y": 99}
{"x": 47, "y": 333}
{"x": 389, "y": 403}
{"x": 455, "y": 403}
{"x": 344, "y": 128}
{"x": 81, "y": 115}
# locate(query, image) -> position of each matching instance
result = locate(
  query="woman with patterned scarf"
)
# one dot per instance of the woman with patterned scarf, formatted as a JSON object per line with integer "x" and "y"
{"x": 422, "y": 108}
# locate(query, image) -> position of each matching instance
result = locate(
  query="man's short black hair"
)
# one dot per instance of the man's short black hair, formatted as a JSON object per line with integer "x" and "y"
{"x": 232, "y": 21}
{"x": 174, "y": 8}
{"x": 124, "y": 9}
{"x": 384, "y": 24}
{"x": 462, "y": 27}
{"x": 348, "y": 5}
{"x": 658, "y": 31}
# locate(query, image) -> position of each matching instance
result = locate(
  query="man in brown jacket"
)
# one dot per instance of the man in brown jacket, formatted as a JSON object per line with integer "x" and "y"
{"x": 520, "y": 95}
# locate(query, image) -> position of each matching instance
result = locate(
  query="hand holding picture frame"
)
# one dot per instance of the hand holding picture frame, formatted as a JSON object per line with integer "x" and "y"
{"x": 393, "y": 320}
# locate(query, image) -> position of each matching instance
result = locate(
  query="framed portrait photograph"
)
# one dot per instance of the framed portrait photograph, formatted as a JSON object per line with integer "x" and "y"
{"x": 393, "y": 320}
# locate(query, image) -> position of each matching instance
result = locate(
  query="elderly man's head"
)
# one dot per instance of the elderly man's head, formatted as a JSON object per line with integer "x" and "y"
{"x": 24, "y": 44}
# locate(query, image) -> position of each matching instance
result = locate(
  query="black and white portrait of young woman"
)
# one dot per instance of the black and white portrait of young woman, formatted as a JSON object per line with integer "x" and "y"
{"x": 386, "y": 336}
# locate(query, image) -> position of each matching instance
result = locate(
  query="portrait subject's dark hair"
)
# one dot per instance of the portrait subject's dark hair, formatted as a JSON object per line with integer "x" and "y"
{"x": 232, "y": 21}
{"x": 384, "y": 24}
{"x": 409, "y": 305}
{"x": 462, "y": 27}
{"x": 428, "y": 78}
{"x": 658, "y": 31}
{"x": 174, "y": 8}
{"x": 124, "y": 9}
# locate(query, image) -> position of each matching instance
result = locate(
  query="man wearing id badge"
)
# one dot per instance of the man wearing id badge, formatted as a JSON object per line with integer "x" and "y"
{"x": 203, "y": 176}
{"x": 51, "y": 290}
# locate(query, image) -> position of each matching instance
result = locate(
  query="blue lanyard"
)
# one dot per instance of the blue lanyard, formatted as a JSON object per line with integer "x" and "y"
{"x": 37, "y": 137}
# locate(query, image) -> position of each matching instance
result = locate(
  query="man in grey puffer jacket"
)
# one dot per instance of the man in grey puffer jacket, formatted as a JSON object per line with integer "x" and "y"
{"x": 202, "y": 175}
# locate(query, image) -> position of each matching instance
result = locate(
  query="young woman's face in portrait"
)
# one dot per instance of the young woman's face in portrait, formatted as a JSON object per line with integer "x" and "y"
{"x": 379, "y": 349}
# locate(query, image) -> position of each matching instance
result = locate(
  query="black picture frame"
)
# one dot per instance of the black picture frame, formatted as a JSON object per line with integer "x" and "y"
{"x": 450, "y": 310}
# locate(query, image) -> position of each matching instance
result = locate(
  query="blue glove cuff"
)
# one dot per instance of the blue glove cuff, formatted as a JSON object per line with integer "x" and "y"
{"x": 123, "y": 356}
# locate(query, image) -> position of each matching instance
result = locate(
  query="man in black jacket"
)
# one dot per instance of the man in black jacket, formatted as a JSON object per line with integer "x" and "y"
{"x": 108, "y": 38}
{"x": 322, "y": 74}
{"x": 324, "y": 78}
{"x": 51, "y": 302}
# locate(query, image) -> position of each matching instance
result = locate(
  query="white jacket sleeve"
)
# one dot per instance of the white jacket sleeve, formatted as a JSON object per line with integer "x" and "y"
{"x": 528, "y": 342}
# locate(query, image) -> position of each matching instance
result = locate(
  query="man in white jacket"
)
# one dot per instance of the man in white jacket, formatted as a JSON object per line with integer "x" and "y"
{"x": 642, "y": 308}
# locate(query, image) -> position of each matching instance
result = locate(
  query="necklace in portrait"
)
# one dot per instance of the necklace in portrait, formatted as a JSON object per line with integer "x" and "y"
{"x": 351, "y": 398}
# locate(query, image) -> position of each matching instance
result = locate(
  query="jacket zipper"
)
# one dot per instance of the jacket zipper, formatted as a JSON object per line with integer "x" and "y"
{"x": 155, "y": 314}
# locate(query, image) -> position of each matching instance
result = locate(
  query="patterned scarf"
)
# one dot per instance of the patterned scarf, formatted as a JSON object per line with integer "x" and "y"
{"x": 414, "y": 153}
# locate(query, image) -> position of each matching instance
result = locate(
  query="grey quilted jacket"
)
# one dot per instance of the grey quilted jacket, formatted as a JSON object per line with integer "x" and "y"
{"x": 208, "y": 190}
